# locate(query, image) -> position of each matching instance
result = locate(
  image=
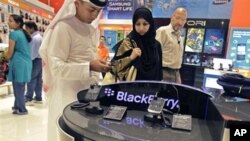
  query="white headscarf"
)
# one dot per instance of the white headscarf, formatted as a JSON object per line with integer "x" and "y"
{"x": 67, "y": 10}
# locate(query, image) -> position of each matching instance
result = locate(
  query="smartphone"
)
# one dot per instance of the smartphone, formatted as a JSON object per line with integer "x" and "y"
{"x": 241, "y": 51}
{"x": 156, "y": 105}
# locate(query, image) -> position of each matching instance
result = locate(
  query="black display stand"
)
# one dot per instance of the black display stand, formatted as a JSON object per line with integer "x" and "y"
{"x": 207, "y": 113}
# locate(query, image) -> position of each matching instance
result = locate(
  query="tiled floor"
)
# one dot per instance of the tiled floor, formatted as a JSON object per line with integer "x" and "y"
{"x": 31, "y": 127}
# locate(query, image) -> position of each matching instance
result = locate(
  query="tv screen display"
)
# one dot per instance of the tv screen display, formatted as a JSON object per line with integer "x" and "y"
{"x": 192, "y": 59}
{"x": 194, "y": 40}
{"x": 214, "y": 41}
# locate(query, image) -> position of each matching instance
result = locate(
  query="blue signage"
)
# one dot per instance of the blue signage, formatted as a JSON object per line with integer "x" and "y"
{"x": 208, "y": 9}
{"x": 119, "y": 9}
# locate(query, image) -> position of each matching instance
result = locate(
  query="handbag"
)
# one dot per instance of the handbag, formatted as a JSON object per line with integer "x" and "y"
{"x": 3, "y": 71}
{"x": 129, "y": 73}
{"x": 110, "y": 78}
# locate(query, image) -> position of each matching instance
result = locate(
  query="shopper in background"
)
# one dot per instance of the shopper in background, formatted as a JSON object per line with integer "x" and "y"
{"x": 140, "y": 49}
{"x": 35, "y": 85}
{"x": 69, "y": 52}
{"x": 170, "y": 38}
{"x": 103, "y": 51}
{"x": 20, "y": 63}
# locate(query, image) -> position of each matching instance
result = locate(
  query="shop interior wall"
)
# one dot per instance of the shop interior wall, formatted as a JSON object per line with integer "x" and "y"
{"x": 240, "y": 14}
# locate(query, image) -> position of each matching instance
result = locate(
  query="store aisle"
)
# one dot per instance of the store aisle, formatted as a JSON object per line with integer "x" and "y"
{"x": 31, "y": 127}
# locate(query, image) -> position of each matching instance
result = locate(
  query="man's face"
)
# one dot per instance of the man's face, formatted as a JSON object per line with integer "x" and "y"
{"x": 86, "y": 12}
{"x": 102, "y": 40}
{"x": 28, "y": 30}
{"x": 178, "y": 20}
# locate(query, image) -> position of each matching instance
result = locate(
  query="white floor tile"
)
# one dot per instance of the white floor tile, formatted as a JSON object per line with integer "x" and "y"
{"x": 31, "y": 127}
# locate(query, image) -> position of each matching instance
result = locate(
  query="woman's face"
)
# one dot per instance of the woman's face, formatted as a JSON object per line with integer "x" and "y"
{"x": 12, "y": 24}
{"x": 142, "y": 26}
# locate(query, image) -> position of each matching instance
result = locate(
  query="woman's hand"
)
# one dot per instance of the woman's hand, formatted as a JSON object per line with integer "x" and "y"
{"x": 99, "y": 66}
{"x": 135, "y": 53}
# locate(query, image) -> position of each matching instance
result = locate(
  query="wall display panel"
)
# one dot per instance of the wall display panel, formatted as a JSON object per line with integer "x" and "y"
{"x": 204, "y": 37}
{"x": 4, "y": 30}
{"x": 29, "y": 13}
{"x": 194, "y": 40}
{"x": 114, "y": 33}
{"x": 239, "y": 48}
{"x": 214, "y": 41}
{"x": 110, "y": 38}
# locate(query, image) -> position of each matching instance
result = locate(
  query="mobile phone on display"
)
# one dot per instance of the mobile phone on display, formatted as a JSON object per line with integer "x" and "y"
{"x": 156, "y": 105}
{"x": 92, "y": 93}
{"x": 241, "y": 51}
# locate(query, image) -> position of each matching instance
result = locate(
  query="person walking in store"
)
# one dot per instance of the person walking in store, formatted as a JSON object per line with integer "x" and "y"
{"x": 140, "y": 50}
{"x": 69, "y": 52}
{"x": 20, "y": 63}
{"x": 35, "y": 85}
{"x": 170, "y": 38}
{"x": 103, "y": 51}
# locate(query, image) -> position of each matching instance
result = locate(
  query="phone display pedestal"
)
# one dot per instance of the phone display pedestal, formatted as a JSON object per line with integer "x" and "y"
{"x": 156, "y": 118}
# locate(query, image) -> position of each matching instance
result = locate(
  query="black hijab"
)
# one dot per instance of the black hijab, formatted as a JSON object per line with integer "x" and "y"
{"x": 149, "y": 64}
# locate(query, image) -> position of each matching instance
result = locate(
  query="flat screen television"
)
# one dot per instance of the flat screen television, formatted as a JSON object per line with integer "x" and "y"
{"x": 194, "y": 40}
{"x": 192, "y": 59}
{"x": 214, "y": 41}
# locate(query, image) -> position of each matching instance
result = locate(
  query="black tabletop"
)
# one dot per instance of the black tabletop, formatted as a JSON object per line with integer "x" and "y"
{"x": 132, "y": 127}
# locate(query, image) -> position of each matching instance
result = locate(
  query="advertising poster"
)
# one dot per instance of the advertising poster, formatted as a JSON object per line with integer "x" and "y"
{"x": 194, "y": 41}
{"x": 214, "y": 41}
{"x": 111, "y": 38}
{"x": 239, "y": 48}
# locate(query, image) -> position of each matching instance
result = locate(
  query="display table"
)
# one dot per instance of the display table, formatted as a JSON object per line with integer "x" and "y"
{"x": 131, "y": 128}
{"x": 208, "y": 122}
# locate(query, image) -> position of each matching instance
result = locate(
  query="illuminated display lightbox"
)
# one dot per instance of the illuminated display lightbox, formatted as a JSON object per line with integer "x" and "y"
{"x": 194, "y": 40}
{"x": 214, "y": 41}
{"x": 239, "y": 48}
